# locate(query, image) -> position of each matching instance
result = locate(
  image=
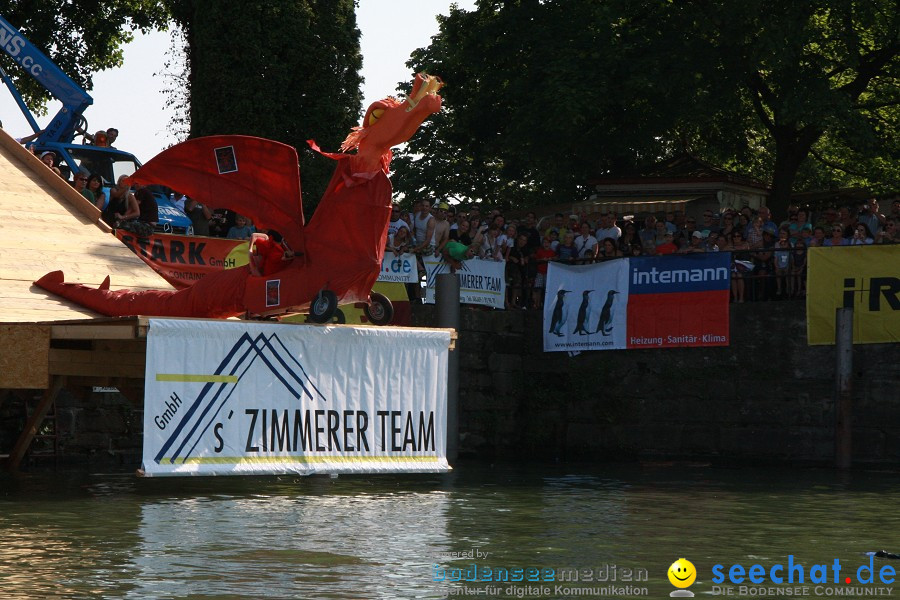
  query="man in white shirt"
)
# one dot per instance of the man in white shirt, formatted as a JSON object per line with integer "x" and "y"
{"x": 608, "y": 229}
{"x": 396, "y": 222}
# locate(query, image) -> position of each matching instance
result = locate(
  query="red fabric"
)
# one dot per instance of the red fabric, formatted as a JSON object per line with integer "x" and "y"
{"x": 265, "y": 185}
{"x": 271, "y": 253}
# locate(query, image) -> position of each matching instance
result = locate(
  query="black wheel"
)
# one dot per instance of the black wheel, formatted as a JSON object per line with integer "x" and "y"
{"x": 323, "y": 307}
{"x": 339, "y": 317}
{"x": 379, "y": 310}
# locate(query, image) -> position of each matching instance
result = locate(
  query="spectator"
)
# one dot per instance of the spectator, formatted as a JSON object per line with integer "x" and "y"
{"x": 695, "y": 245}
{"x": 49, "y": 158}
{"x": 566, "y": 252}
{"x": 554, "y": 240}
{"x": 607, "y": 228}
{"x": 559, "y": 224}
{"x": 95, "y": 187}
{"x": 148, "y": 214}
{"x": 895, "y": 210}
{"x": 609, "y": 249}
{"x": 629, "y": 237}
{"x": 818, "y": 238}
{"x": 891, "y": 233}
{"x": 728, "y": 225}
{"x": 509, "y": 240}
{"x": 112, "y": 134}
{"x": 862, "y": 236}
{"x": 455, "y": 253}
{"x": 668, "y": 246}
{"x": 400, "y": 241}
{"x": 829, "y": 217}
{"x": 179, "y": 201}
{"x": 441, "y": 228}
{"x": 648, "y": 233}
{"x": 200, "y": 216}
{"x": 783, "y": 279}
{"x": 709, "y": 223}
{"x": 712, "y": 242}
{"x": 871, "y": 218}
{"x": 661, "y": 230}
{"x": 423, "y": 228}
{"x": 586, "y": 244}
{"x": 242, "y": 229}
{"x": 517, "y": 259}
{"x": 79, "y": 182}
{"x": 529, "y": 228}
{"x": 764, "y": 259}
{"x": 636, "y": 250}
{"x": 847, "y": 220}
{"x": 671, "y": 225}
{"x": 837, "y": 237}
{"x": 122, "y": 205}
{"x": 542, "y": 258}
{"x": 462, "y": 233}
{"x": 490, "y": 247}
{"x": 741, "y": 265}
{"x": 766, "y": 215}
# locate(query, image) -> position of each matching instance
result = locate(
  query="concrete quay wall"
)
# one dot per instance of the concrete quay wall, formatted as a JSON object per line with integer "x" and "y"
{"x": 768, "y": 397}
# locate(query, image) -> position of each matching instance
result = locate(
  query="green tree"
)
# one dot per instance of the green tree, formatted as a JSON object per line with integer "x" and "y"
{"x": 543, "y": 95}
{"x": 287, "y": 71}
{"x": 81, "y": 37}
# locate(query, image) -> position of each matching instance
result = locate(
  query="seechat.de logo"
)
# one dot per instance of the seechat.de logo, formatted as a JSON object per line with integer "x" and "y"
{"x": 682, "y": 575}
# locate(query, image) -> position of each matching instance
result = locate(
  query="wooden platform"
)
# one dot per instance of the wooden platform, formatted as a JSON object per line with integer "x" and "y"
{"x": 45, "y": 225}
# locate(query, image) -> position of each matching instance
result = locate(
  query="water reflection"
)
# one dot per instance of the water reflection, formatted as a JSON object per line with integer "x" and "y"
{"x": 102, "y": 535}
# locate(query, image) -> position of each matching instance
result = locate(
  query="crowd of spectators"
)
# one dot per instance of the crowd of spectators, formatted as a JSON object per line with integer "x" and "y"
{"x": 769, "y": 254}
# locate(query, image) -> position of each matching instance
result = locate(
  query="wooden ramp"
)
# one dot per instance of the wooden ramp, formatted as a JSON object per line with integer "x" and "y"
{"x": 45, "y": 225}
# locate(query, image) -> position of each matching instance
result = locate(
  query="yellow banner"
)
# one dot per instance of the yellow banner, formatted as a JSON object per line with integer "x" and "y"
{"x": 866, "y": 278}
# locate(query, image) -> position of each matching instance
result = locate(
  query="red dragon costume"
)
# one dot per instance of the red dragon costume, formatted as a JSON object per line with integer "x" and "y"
{"x": 226, "y": 171}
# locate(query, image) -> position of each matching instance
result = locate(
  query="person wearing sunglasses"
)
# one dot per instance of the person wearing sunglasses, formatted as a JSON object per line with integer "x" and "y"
{"x": 837, "y": 237}
{"x": 80, "y": 185}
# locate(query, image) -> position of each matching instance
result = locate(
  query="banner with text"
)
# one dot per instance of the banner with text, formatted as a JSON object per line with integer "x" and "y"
{"x": 641, "y": 302}
{"x": 398, "y": 268}
{"x": 480, "y": 281}
{"x": 183, "y": 259}
{"x": 239, "y": 398}
{"x": 864, "y": 278}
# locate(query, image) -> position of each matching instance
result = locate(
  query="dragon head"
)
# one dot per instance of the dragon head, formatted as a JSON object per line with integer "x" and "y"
{"x": 390, "y": 122}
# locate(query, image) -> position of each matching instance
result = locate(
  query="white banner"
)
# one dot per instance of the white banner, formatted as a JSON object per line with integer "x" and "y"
{"x": 585, "y": 306}
{"x": 398, "y": 269}
{"x": 480, "y": 281}
{"x": 238, "y": 398}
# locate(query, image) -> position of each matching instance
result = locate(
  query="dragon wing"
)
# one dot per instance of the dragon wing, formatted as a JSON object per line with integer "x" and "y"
{"x": 255, "y": 177}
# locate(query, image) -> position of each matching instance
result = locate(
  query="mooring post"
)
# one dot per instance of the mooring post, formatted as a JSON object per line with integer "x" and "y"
{"x": 843, "y": 344}
{"x": 447, "y": 303}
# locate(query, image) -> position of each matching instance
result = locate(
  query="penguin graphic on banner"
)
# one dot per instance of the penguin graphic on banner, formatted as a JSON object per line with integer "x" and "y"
{"x": 605, "y": 322}
{"x": 584, "y": 314}
{"x": 560, "y": 313}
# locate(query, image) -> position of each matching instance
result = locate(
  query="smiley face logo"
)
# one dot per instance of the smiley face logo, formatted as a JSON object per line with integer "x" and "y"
{"x": 682, "y": 573}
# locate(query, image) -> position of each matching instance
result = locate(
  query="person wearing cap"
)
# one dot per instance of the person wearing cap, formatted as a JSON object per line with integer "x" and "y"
{"x": 455, "y": 253}
{"x": 441, "y": 228}
{"x": 695, "y": 245}
{"x": 49, "y": 158}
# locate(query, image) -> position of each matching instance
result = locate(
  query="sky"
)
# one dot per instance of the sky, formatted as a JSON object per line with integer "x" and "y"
{"x": 132, "y": 98}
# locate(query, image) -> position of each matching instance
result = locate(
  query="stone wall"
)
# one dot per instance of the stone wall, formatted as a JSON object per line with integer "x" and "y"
{"x": 767, "y": 397}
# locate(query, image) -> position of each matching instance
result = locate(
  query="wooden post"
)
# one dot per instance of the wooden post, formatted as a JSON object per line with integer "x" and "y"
{"x": 34, "y": 422}
{"x": 843, "y": 344}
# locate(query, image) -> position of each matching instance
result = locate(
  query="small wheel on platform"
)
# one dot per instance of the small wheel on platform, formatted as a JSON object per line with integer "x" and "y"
{"x": 323, "y": 307}
{"x": 339, "y": 317}
{"x": 379, "y": 310}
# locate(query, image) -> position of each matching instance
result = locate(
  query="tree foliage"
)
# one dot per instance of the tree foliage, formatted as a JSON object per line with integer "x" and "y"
{"x": 80, "y": 36}
{"x": 543, "y": 95}
{"x": 287, "y": 71}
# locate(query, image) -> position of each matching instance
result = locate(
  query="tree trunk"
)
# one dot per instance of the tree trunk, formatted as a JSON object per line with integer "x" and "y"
{"x": 791, "y": 149}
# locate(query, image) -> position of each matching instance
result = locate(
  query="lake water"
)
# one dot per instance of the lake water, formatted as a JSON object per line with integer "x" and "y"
{"x": 101, "y": 535}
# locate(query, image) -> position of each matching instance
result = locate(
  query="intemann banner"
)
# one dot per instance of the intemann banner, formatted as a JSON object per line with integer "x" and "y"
{"x": 480, "y": 281}
{"x": 643, "y": 302}
{"x": 239, "y": 398}
{"x": 865, "y": 278}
